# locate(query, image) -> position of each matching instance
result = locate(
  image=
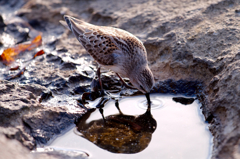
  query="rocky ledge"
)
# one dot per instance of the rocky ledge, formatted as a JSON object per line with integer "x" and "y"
{"x": 193, "y": 49}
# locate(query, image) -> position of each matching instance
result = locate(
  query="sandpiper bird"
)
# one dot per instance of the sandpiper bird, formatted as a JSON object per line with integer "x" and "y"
{"x": 114, "y": 49}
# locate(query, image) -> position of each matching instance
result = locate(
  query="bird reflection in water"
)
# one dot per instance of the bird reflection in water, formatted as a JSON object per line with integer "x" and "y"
{"x": 118, "y": 133}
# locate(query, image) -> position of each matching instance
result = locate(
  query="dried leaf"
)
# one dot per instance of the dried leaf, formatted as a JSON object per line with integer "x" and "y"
{"x": 8, "y": 54}
{"x": 14, "y": 68}
{"x": 41, "y": 52}
{"x": 19, "y": 74}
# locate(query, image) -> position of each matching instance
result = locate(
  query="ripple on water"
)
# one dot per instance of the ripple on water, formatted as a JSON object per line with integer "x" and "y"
{"x": 156, "y": 103}
{"x": 178, "y": 133}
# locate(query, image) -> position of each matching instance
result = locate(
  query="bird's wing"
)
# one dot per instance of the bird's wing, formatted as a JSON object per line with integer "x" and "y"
{"x": 128, "y": 43}
{"x": 98, "y": 44}
{"x": 105, "y": 44}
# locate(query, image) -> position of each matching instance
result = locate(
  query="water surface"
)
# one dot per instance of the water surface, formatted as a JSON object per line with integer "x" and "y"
{"x": 180, "y": 131}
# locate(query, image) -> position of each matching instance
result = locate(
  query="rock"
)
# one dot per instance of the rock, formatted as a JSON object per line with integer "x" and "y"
{"x": 22, "y": 116}
{"x": 15, "y": 102}
{"x": 68, "y": 66}
{"x": 42, "y": 12}
{"x": 80, "y": 90}
{"x": 38, "y": 25}
{"x": 50, "y": 153}
{"x": 183, "y": 100}
{"x": 54, "y": 59}
{"x": 193, "y": 49}
{"x": 18, "y": 32}
{"x": 185, "y": 87}
{"x": 2, "y": 25}
{"x": 223, "y": 104}
{"x": 45, "y": 123}
{"x": 10, "y": 149}
{"x": 44, "y": 96}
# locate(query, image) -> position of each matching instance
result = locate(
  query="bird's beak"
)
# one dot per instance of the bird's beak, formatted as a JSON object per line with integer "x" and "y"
{"x": 148, "y": 101}
{"x": 148, "y": 98}
{"x": 68, "y": 21}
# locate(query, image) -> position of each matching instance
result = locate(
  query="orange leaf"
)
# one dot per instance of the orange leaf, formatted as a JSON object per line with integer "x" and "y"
{"x": 41, "y": 52}
{"x": 8, "y": 54}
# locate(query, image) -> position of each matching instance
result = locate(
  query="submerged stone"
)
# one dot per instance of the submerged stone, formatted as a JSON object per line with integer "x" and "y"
{"x": 182, "y": 100}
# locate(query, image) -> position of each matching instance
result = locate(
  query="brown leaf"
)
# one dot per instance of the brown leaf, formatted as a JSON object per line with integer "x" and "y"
{"x": 8, "y": 54}
{"x": 41, "y": 52}
{"x": 14, "y": 68}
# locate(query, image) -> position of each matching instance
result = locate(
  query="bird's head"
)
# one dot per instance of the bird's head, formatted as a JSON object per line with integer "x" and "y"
{"x": 142, "y": 78}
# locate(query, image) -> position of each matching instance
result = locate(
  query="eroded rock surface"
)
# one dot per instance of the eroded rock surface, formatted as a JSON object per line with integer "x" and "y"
{"x": 12, "y": 149}
{"x": 223, "y": 110}
{"x": 23, "y": 118}
{"x": 193, "y": 48}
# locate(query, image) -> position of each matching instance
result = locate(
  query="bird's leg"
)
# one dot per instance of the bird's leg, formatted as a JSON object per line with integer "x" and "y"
{"x": 117, "y": 106}
{"x": 124, "y": 83}
{"x": 100, "y": 80}
{"x": 99, "y": 76}
{"x": 101, "y": 104}
{"x": 101, "y": 112}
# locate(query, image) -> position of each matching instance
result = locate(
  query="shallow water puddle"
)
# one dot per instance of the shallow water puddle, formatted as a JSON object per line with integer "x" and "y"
{"x": 178, "y": 131}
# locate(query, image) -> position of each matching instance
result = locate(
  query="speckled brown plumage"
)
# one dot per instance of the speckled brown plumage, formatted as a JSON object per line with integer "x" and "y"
{"x": 114, "y": 49}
